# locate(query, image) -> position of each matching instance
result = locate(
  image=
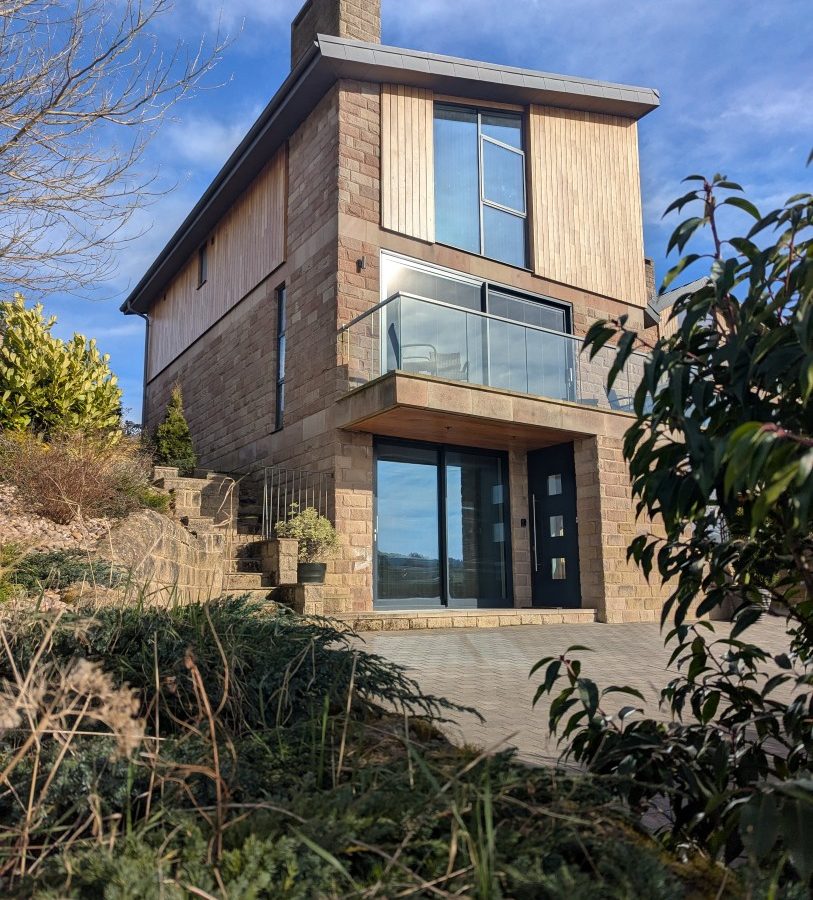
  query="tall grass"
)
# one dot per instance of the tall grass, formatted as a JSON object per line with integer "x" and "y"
{"x": 235, "y": 750}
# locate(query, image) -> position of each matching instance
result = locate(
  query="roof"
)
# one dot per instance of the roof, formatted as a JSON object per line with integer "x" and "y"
{"x": 334, "y": 58}
{"x": 663, "y": 301}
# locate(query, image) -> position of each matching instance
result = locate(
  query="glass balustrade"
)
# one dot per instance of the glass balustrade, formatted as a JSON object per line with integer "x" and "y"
{"x": 420, "y": 336}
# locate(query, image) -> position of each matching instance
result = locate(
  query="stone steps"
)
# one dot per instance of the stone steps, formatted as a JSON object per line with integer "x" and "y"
{"x": 409, "y": 620}
{"x": 244, "y": 565}
{"x": 247, "y": 581}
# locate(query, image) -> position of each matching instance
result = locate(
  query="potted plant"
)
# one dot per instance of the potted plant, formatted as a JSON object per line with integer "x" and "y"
{"x": 317, "y": 542}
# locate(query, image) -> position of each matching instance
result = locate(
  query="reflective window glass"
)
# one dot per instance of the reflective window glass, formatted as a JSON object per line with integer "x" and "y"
{"x": 457, "y": 178}
{"x": 503, "y": 176}
{"x": 557, "y": 526}
{"x": 558, "y": 568}
{"x": 504, "y": 236}
{"x": 554, "y": 485}
{"x": 505, "y": 128}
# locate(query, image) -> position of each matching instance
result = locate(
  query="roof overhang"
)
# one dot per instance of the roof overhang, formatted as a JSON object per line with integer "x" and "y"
{"x": 333, "y": 59}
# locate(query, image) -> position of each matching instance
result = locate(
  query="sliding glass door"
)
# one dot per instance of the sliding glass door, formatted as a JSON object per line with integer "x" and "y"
{"x": 408, "y": 527}
{"x": 441, "y": 527}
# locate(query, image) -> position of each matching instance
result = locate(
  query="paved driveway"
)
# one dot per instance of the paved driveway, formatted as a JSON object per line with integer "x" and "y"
{"x": 488, "y": 669}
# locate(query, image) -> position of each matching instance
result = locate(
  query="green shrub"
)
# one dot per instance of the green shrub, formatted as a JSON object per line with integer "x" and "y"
{"x": 172, "y": 439}
{"x": 316, "y": 534}
{"x": 10, "y": 557}
{"x": 279, "y": 774}
{"x": 49, "y": 385}
{"x": 720, "y": 451}
{"x": 54, "y": 569}
{"x": 155, "y": 500}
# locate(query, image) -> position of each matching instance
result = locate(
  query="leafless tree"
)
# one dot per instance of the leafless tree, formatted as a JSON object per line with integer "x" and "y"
{"x": 84, "y": 85}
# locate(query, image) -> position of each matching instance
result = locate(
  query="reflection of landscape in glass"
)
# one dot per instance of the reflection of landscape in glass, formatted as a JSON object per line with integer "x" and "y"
{"x": 408, "y": 544}
{"x": 474, "y": 527}
{"x": 408, "y": 515}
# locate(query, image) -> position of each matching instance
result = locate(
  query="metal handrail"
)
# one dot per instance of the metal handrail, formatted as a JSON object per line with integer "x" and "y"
{"x": 461, "y": 309}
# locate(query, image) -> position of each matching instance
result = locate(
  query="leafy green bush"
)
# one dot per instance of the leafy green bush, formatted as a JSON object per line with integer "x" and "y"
{"x": 173, "y": 440}
{"x": 316, "y": 534}
{"x": 721, "y": 450}
{"x": 54, "y": 569}
{"x": 10, "y": 557}
{"x": 49, "y": 385}
{"x": 76, "y": 474}
{"x": 278, "y": 774}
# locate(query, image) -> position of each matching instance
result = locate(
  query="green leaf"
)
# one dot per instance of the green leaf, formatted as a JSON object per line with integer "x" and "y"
{"x": 743, "y": 204}
{"x": 759, "y": 822}
{"x": 681, "y": 235}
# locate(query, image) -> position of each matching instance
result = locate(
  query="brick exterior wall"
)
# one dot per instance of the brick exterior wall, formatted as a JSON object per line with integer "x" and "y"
{"x": 235, "y": 358}
{"x": 356, "y": 19}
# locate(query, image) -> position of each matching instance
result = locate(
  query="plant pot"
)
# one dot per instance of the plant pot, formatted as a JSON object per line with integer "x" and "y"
{"x": 311, "y": 572}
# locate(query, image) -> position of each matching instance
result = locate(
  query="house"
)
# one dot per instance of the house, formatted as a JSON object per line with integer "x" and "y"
{"x": 385, "y": 288}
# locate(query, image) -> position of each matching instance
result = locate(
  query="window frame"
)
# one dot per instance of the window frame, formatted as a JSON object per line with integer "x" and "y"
{"x": 482, "y": 138}
{"x": 281, "y": 294}
{"x": 203, "y": 264}
{"x": 486, "y": 285}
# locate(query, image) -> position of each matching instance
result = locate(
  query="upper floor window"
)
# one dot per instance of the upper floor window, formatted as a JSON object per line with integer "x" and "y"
{"x": 203, "y": 265}
{"x": 480, "y": 203}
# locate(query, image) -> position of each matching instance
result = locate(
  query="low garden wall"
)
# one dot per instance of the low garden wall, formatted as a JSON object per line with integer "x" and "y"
{"x": 170, "y": 561}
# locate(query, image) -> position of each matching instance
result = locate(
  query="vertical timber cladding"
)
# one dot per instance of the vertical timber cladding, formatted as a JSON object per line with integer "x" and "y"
{"x": 408, "y": 161}
{"x": 587, "y": 217}
{"x": 249, "y": 243}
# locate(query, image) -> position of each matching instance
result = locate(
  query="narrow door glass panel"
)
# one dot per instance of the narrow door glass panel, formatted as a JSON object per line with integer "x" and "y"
{"x": 504, "y": 236}
{"x": 408, "y": 545}
{"x": 507, "y": 129}
{"x": 457, "y": 178}
{"x": 503, "y": 177}
{"x": 475, "y": 527}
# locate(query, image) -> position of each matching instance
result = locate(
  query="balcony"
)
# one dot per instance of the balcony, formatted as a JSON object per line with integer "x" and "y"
{"x": 421, "y": 368}
{"x": 419, "y": 336}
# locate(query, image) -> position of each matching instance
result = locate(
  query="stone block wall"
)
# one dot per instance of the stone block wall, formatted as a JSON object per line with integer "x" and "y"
{"x": 227, "y": 378}
{"x": 173, "y": 564}
{"x": 617, "y": 589}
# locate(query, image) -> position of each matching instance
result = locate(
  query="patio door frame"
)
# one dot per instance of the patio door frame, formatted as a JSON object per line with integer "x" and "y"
{"x": 446, "y": 601}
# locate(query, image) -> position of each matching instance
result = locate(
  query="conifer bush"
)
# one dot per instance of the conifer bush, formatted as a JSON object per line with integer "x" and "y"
{"x": 173, "y": 440}
{"x": 49, "y": 385}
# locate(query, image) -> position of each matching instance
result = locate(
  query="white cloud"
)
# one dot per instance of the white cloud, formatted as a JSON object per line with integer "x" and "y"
{"x": 205, "y": 141}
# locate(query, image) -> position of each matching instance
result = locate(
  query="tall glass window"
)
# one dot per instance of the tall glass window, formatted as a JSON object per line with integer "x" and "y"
{"x": 441, "y": 533}
{"x": 480, "y": 203}
{"x": 282, "y": 327}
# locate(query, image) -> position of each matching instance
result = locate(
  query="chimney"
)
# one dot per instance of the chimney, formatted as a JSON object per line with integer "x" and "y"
{"x": 359, "y": 20}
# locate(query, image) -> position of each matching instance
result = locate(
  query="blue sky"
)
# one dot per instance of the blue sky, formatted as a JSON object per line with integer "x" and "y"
{"x": 735, "y": 79}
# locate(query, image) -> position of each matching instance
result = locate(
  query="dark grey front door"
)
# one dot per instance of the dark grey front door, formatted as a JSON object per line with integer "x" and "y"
{"x": 554, "y": 527}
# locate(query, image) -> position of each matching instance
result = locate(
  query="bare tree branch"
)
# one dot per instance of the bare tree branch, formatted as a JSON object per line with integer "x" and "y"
{"x": 84, "y": 86}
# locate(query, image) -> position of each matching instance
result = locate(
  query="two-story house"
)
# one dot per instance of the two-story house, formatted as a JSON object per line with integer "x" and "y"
{"x": 387, "y": 284}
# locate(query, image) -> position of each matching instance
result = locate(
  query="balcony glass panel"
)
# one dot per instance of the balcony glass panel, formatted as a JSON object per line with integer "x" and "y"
{"x": 423, "y": 337}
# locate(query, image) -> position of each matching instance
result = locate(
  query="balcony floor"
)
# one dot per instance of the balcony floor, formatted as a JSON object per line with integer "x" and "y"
{"x": 421, "y": 407}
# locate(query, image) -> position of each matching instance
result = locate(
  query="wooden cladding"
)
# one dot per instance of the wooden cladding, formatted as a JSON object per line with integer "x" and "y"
{"x": 245, "y": 247}
{"x": 586, "y": 200}
{"x": 408, "y": 161}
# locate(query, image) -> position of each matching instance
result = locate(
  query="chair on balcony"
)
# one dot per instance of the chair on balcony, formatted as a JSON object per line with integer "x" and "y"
{"x": 424, "y": 359}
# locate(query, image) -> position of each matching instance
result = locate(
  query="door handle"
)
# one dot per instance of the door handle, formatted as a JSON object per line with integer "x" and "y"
{"x": 533, "y": 523}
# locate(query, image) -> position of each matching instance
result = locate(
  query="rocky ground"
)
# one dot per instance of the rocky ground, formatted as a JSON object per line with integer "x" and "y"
{"x": 34, "y": 532}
